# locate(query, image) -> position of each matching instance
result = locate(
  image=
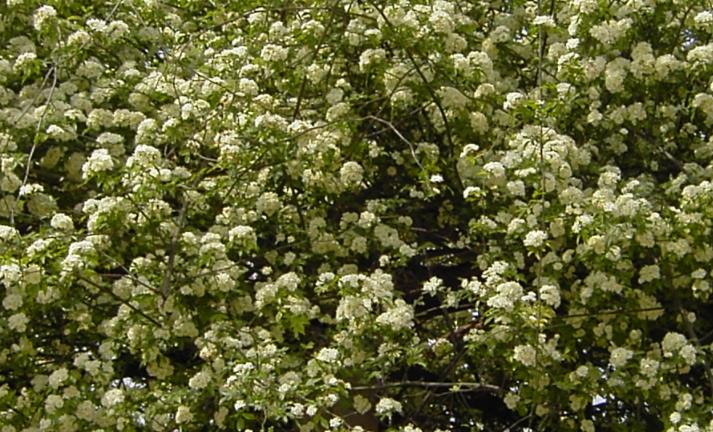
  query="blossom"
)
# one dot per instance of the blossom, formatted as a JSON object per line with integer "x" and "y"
{"x": 112, "y": 397}
{"x": 274, "y": 53}
{"x": 544, "y": 20}
{"x": 649, "y": 367}
{"x": 43, "y": 16}
{"x": 183, "y": 415}
{"x": 619, "y": 356}
{"x": 12, "y": 301}
{"x": 432, "y": 286}
{"x": 511, "y": 400}
{"x": 387, "y": 406}
{"x": 370, "y": 56}
{"x": 243, "y": 235}
{"x": 200, "y": 380}
{"x": 525, "y": 354}
{"x": 144, "y": 156}
{"x": 58, "y": 377}
{"x": 649, "y": 273}
{"x": 18, "y": 322}
{"x": 507, "y": 294}
{"x": 7, "y": 233}
{"x": 98, "y": 162}
{"x": 23, "y": 60}
{"x": 512, "y": 100}
{"x": 78, "y": 38}
{"x": 535, "y": 238}
{"x": 398, "y": 317}
{"x": 351, "y": 174}
{"x": 53, "y": 403}
{"x": 62, "y": 222}
{"x": 704, "y": 19}
{"x": 328, "y": 355}
{"x": 550, "y": 294}
{"x": 268, "y": 203}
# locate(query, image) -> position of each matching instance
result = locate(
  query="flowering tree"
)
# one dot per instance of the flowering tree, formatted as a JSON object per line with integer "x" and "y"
{"x": 356, "y": 215}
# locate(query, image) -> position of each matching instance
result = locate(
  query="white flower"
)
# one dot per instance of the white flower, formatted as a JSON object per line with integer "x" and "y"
{"x": 62, "y": 222}
{"x": 511, "y": 400}
{"x": 507, "y": 294}
{"x": 688, "y": 354}
{"x": 108, "y": 139}
{"x": 99, "y": 161}
{"x": 619, "y": 357}
{"x": 471, "y": 190}
{"x": 18, "y": 322}
{"x": 12, "y": 301}
{"x": 43, "y": 16}
{"x": 582, "y": 371}
{"x": 23, "y": 60}
{"x": 544, "y": 20}
{"x": 78, "y": 38}
{"x": 432, "y": 286}
{"x": 442, "y": 22}
{"x": 248, "y": 86}
{"x": 53, "y": 403}
{"x": 268, "y": 203}
{"x": 550, "y": 294}
{"x": 697, "y": 274}
{"x": 468, "y": 149}
{"x": 7, "y": 233}
{"x": 452, "y": 98}
{"x": 144, "y": 156}
{"x": 517, "y": 188}
{"x": 387, "y": 406}
{"x": 478, "y": 122}
{"x": 704, "y": 19}
{"x": 370, "y": 56}
{"x": 116, "y": 29}
{"x": 274, "y": 53}
{"x": 525, "y": 354}
{"x": 200, "y": 380}
{"x": 113, "y": 397}
{"x": 649, "y": 273}
{"x": 297, "y": 410}
{"x": 97, "y": 25}
{"x": 398, "y": 317}
{"x": 648, "y": 367}
{"x": 242, "y": 234}
{"x": 351, "y": 307}
{"x": 56, "y": 132}
{"x": 512, "y": 100}
{"x": 535, "y": 238}
{"x": 183, "y": 414}
{"x": 328, "y": 355}
{"x": 289, "y": 281}
{"x": 672, "y": 342}
{"x": 351, "y": 174}
{"x": 58, "y": 377}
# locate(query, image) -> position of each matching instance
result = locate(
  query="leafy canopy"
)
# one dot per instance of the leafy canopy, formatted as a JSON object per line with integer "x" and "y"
{"x": 356, "y": 215}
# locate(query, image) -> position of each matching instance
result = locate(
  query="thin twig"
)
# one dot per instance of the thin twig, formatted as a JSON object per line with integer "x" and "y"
{"x": 166, "y": 284}
{"x": 472, "y": 386}
{"x": 403, "y": 138}
{"x": 132, "y": 307}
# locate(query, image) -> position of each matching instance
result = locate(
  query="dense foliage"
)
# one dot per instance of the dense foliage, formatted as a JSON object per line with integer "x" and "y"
{"x": 356, "y": 215}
